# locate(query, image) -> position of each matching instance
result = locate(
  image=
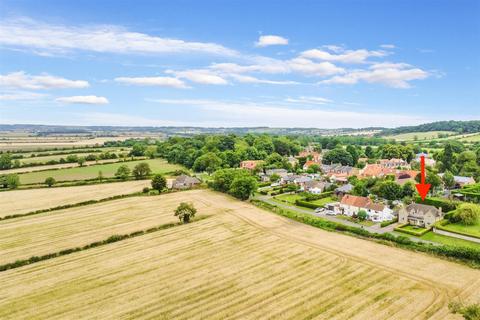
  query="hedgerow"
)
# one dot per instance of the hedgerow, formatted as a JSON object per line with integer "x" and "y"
{"x": 465, "y": 254}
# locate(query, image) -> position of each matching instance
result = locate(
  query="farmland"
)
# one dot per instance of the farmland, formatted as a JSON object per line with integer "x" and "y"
{"x": 419, "y": 135}
{"x": 241, "y": 262}
{"x": 23, "y": 201}
{"x": 90, "y": 172}
{"x": 58, "y": 230}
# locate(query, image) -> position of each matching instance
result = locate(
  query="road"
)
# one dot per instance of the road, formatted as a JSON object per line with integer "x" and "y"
{"x": 374, "y": 229}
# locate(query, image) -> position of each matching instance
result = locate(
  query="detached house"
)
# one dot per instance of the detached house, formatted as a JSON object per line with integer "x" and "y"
{"x": 393, "y": 163}
{"x": 250, "y": 164}
{"x": 421, "y": 215}
{"x": 185, "y": 182}
{"x": 377, "y": 212}
{"x": 460, "y": 181}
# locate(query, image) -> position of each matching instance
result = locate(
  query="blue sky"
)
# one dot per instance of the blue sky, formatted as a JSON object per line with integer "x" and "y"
{"x": 325, "y": 64}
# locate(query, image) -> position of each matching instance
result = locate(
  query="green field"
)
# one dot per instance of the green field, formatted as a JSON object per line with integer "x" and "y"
{"x": 57, "y": 157}
{"x": 290, "y": 198}
{"x": 324, "y": 201}
{"x": 90, "y": 172}
{"x": 419, "y": 135}
{"x": 435, "y": 237}
{"x": 470, "y": 138}
{"x": 474, "y": 230}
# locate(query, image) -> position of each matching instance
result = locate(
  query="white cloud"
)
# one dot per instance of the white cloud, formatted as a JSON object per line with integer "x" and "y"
{"x": 224, "y": 113}
{"x": 306, "y": 66}
{"x": 153, "y": 81}
{"x": 271, "y": 40}
{"x": 201, "y": 76}
{"x": 83, "y": 100}
{"x": 388, "y": 46}
{"x": 25, "y": 81}
{"x": 21, "y": 95}
{"x": 396, "y": 75}
{"x": 45, "y": 38}
{"x": 347, "y": 56}
{"x": 250, "y": 79}
{"x": 309, "y": 100}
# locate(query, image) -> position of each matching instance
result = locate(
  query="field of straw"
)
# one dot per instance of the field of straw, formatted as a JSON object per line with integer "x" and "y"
{"x": 239, "y": 263}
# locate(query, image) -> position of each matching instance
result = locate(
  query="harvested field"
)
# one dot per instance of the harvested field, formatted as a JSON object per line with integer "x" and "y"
{"x": 56, "y": 166}
{"x": 244, "y": 263}
{"x": 49, "y": 232}
{"x": 91, "y": 172}
{"x": 32, "y": 143}
{"x": 23, "y": 201}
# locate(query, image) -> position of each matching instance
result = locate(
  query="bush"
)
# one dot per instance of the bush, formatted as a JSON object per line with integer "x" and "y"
{"x": 50, "y": 181}
{"x": 467, "y": 214}
{"x": 387, "y": 223}
{"x": 446, "y": 205}
{"x": 159, "y": 182}
{"x": 306, "y": 204}
{"x": 145, "y": 189}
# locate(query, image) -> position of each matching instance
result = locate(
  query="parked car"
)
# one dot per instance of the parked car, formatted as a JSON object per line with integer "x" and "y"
{"x": 330, "y": 213}
{"x": 319, "y": 210}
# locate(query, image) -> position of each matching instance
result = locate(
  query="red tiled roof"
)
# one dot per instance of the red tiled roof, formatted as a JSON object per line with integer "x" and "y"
{"x": 355, "y": 201}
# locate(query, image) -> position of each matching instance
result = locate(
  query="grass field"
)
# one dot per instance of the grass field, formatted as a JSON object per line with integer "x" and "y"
{"x": 23, "y": 201}
{"x": 244, "y": 263}
{"x": 90, "y": 172}
{"x": 55, "y": 166}
{"x": 473, "y": 230}
{"x": 324, "y": 201}
{"x": 435, "y": 237}
{"x": 419, "y": 135}
{"x": 49, "y": 232}
{"x": 56, "y": 157}
{"x": 290, "y": 198}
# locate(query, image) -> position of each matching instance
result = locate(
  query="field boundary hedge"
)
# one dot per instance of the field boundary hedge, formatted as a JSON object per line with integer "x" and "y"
{"x": 411, "y": 232}
{"x": 111, "y": 239}
{"x": 467, "y": 255}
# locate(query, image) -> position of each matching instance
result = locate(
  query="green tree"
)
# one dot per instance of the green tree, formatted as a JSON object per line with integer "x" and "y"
{"x": 275, "y": 178}
{"x": 5, "y": 161}
{"x": 185, "y": 212}
{"x": 100, "y": 175}
{"x": 314, "y": 168}
{"x": 71, "y": 158}
{"x": 467, "y": 214}
{"x": 408, "y": 189}
{"x": 122, "y": 172}
{"x": 448, "y": 179}
{"x": 390, "y": 190}
{"x": 81, "y": 161}
{"x": 469, "y": 312}
{"x": 243, "y": 187}
{"x": 141, "y": 170}
{"x": 12, "y": 181}
{"x": 138, "y": 150}
{"x": 354, "y": 153}
{"x": 208, "y": 162}
{"x": 447, "y": 158}
{"x": 338, "y": 156}
{"x": 369, "y": 152}
{"x": 223, "y": 179}
{"x": 362, "y": 215}
{"x": 50, "y": 181}
{"x": 159, "y": 182}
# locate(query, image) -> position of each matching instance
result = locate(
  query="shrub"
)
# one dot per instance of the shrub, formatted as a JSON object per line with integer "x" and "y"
{"x": 141, "y": 170}
{"x": 145, "y": 189}
{"x": 185, "y": 211}
{"x": 159, "y": 182}
{"x": 306, "y": 204}
{"x": 467, "y": 214}
{"x": 50, "y": 181}
{"x": 122, "y": 172}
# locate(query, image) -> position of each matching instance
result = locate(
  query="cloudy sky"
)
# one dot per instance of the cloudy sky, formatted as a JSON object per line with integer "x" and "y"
{"x": 217, "y": 63}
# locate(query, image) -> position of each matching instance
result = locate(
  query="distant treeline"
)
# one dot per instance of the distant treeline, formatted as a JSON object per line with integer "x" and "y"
{"x": 456, "y": 126}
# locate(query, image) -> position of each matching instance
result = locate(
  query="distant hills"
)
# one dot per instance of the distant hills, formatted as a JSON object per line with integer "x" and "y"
{"x": 43, "y": 130}
{"x": 456, "y": 126}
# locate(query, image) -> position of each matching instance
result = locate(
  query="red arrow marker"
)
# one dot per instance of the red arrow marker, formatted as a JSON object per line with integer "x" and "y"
{"x": 422, "y": 187}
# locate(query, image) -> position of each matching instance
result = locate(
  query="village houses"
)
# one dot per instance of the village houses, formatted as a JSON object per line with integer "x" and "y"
{"x": 377, "y": 212}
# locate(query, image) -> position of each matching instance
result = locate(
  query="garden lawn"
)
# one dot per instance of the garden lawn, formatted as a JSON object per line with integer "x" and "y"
{"x": 366, "y": 223}
{"x": 91, "y": 172}
{"x": 435, "y": 237}
{"x": 473, "y": 230}
{"x": 290, "y": 198}
{"x": 324, "y": 201}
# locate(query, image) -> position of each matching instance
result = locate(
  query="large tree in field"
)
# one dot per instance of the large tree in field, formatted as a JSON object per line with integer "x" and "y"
{"x": 141, "y": 170}
{"x": 123, "y": 172}
{"x": 243, "y": 187}
{"x": 50, "y": 181}
{"x": 159, "y": 182}
{"x": 5, "y": 161}
{"x": 185, "y": 212}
